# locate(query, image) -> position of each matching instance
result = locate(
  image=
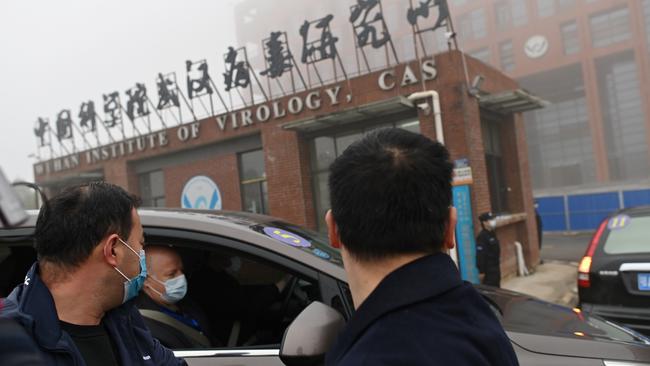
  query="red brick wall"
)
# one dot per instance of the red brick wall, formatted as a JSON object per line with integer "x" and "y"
{"x": 288, "y": 176}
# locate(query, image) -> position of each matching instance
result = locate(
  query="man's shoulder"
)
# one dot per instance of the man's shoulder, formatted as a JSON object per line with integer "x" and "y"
{"x": 456, "y": 327}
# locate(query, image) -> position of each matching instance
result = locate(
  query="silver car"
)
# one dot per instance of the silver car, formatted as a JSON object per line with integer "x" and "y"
{"x": 299, "y": 323}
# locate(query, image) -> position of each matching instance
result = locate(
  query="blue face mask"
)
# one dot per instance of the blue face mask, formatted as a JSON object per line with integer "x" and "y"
{"x": 175, "y": 289}
{"x": 133, "y": 286}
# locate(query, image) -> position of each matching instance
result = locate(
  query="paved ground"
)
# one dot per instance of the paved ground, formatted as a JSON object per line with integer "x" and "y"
{"x": 564, "y": 247}
{"x": 553, "y": 281}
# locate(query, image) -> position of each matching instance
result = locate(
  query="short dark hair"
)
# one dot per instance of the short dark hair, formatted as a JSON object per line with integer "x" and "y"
{"x": 390, "y": 194}
{"x": 71, "y": 224}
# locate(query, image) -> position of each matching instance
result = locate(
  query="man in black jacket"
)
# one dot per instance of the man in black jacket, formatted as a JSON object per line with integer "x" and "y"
{"x": 76, "y": 302}
{"x": 488, "y": 251}
{"x": 392, "y": 218}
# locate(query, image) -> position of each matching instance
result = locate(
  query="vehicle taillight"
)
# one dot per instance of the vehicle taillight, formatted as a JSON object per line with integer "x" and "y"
{"x": 585, "y": 263}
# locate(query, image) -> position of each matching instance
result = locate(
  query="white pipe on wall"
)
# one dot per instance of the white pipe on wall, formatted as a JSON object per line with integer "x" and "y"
{"x": 437, "y": 115}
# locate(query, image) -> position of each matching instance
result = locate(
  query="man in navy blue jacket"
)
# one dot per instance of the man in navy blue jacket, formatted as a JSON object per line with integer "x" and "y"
{"x": 391, "y": 216}
{"x": 77, "y": 301}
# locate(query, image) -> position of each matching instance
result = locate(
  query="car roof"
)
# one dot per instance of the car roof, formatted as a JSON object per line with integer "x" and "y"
{"x": 239, "y": 226}
{"x": 634, "y": 211}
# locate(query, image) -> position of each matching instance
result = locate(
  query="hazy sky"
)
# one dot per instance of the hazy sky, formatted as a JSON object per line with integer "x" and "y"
{"x": 56, "y": 54}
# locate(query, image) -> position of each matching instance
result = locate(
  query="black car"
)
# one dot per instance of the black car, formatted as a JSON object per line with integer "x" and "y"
{"x": 614, "y": 274}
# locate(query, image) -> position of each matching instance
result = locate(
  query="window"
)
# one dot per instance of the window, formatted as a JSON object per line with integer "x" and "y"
{"x": 545, "y": 8}
{"x": 510, "y": 13}
{"x": 519, "y": 12}
{"x": 623, "y": 117}
{"x": 570, "y": 38}
{"x": 631, "y": 238}
{"x": 610, "y": 27}
{"x": 472, "y": 25}
{"x": 152, "y": 189}
{"x": 560, "y": 146}
{"x": 646, "y": 18}
{"x": 507, "y": 56}
{"x": 326, "y": 148}
{"x": 482, "y": 54}
{"x": 494, "y": 165}
{"x": 252, "y": 175}
{"x": 259, "y": 294}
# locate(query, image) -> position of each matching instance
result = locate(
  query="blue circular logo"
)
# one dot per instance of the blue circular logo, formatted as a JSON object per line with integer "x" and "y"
{"x": 201, "y": 192}
{"x": 286, "y": 237}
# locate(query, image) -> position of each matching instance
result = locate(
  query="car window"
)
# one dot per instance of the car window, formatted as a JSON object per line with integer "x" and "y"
{"x": 629, "y": 237}
{"x": 236, "y": 299}
{"x": 15, "y": 260}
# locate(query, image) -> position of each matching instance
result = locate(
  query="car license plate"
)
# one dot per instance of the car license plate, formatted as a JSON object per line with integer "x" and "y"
{"x": 643, "y": 280}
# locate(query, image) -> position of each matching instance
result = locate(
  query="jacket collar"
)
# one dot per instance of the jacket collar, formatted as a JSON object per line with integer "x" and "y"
{"x": 36, "y": 309}
{"x": 425, "y": 278}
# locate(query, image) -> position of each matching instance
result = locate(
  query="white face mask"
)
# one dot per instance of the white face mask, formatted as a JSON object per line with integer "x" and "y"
{"x": 492, "y": 224}
{"x": 175, "y": 289}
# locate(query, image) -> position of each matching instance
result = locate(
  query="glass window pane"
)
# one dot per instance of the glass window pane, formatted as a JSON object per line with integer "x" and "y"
{"x": 324, "y": 152}
{"x": 507, "y": 56}
{"x": 629, "y": 237}
{"x": 157, "y": 180}
{"x": 265, "y": 197}
{"x": 252, "y": 198}
{"x": 610, "y": 27}
{"x": 145, "y": 189}
{"x": 344, "y": 141}
{"x": 545, "y": 8}
{"x": 252, "y": 165}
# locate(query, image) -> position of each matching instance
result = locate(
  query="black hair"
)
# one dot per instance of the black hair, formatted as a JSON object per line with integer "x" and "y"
{"x": 390, "y": 194}
{"x": 71, "y": 224}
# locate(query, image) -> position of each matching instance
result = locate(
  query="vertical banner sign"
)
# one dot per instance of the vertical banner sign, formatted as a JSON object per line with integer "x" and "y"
{"x": 465, "y": 234}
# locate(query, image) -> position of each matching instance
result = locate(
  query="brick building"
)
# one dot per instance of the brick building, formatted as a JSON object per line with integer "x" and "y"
{"x": 588, "y": 150}
{"x": 272, "y": 157}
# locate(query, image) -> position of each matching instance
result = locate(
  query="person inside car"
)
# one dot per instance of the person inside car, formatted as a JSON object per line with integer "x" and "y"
{"x": 392, "y": 218}
{"x": 76, "y": 301}
{"x": 173, "y": 319}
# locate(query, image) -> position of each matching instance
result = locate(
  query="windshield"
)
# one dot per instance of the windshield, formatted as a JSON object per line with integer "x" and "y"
{"x": 630, "y": 236}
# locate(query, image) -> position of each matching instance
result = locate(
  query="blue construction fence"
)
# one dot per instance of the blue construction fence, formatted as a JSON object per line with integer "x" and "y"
{"x": 583, "y": 212}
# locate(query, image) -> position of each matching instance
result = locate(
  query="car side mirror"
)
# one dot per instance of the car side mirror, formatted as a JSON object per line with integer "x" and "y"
{"x": 310, "y": 335}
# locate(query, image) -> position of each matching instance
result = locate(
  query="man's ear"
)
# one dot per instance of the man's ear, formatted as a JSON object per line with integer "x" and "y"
{"x": 108, "y": 249}
{"x": 450, "y": 230}
{"x": 332, "y": 230}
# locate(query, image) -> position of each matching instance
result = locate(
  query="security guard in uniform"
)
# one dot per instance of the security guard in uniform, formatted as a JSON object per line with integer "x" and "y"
{"x": 488, "y": 251}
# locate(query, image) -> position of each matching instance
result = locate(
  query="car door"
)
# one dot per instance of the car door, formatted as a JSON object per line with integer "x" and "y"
{"x": 309, "y": 285}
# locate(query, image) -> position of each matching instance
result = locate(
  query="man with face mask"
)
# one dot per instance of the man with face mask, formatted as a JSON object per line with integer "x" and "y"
{"x": 174, "y": 320}
{"x": 77, "y": 301}
{"x": 488, "y": 251}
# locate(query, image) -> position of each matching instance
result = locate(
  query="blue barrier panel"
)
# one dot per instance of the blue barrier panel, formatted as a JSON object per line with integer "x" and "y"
{"x": 635, "y": 198}
{"x": 586, "y": 211}
{"x": 551, "y": 210}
